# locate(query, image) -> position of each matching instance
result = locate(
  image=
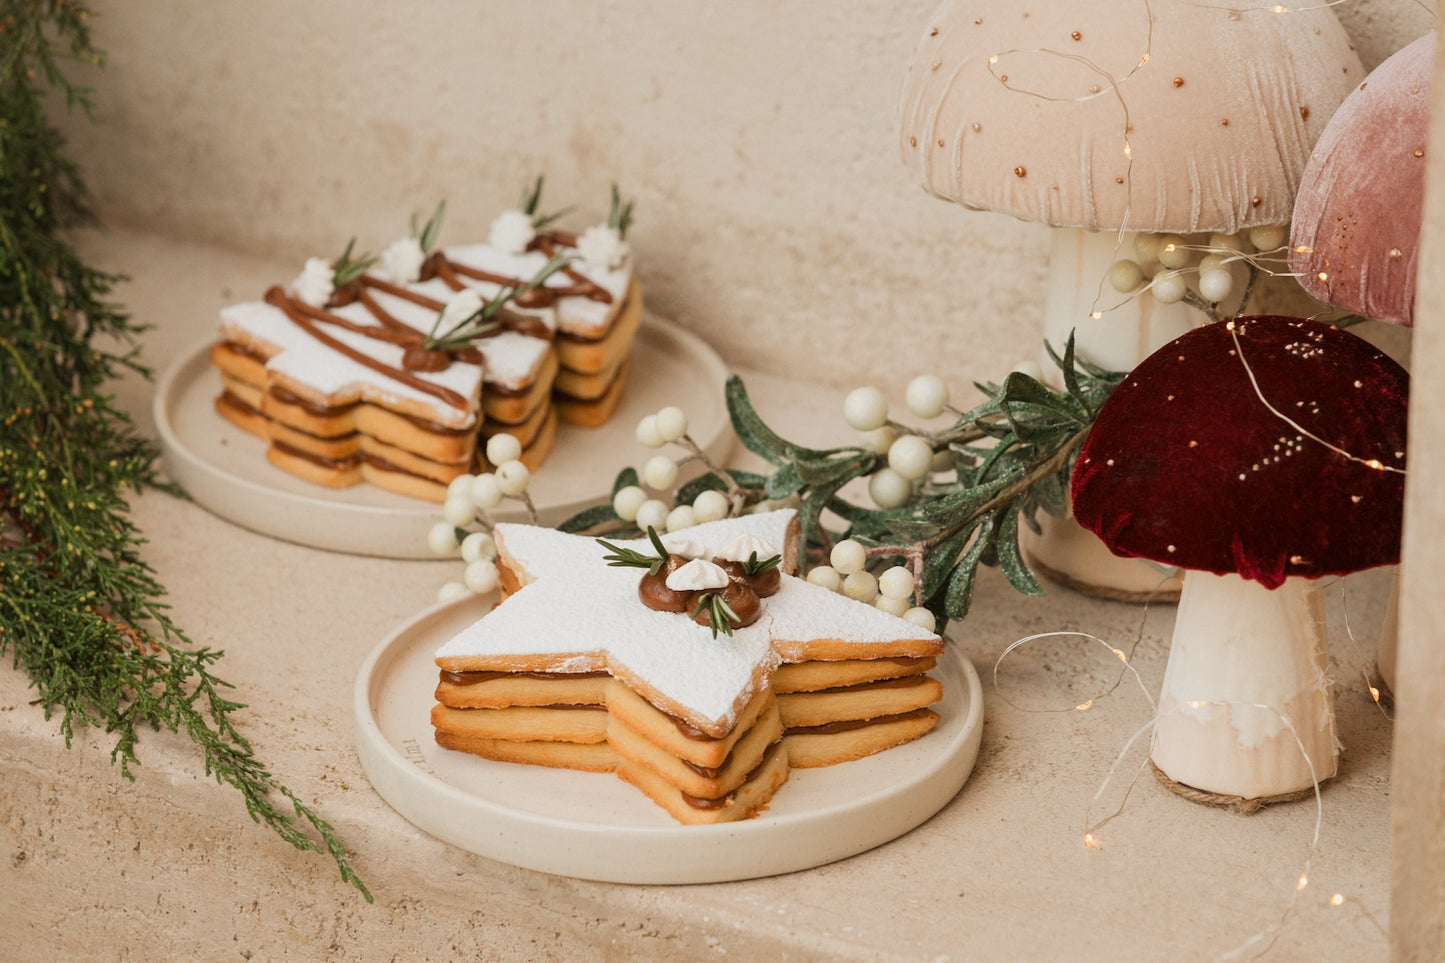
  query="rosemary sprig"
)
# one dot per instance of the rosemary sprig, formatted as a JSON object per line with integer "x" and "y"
{"x": 720, "y": 615}
{"x": 81, "y": 613}
{"x": 484, "y": 320}
{"x": 619, "y": 218}
{"x": 531, "y": 199}
{"x": 349, "y": 268}
{"x": 427, "y": 236}
{"x": 631, "y": 558}
{"x": 755, "y": 566}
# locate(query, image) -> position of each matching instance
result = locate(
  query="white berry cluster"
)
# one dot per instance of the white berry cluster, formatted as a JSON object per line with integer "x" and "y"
{"x": 911, "y": 455}
{"x": 649, "y": 504}
{"x": 891, "y": 590}
{"x": 469, "y": 497}
{"x": 1168, "y": 261}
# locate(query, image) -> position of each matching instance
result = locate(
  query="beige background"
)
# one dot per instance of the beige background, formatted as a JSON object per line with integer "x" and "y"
{"x": 774, "y": 219}
{"x": 774, "y": 216}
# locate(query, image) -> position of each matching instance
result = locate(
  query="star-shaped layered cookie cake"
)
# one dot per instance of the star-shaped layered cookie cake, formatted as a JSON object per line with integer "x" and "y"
{"x": 573, "y": 669}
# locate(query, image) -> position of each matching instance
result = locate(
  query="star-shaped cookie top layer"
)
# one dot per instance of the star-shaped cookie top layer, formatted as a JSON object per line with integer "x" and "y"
{"x": 308, "y": 363}
{"x": 574, "y": 613}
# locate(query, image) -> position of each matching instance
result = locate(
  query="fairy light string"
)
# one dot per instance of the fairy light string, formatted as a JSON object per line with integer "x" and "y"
{"x": 1264, "y": 940}
{"x": 1372, "y": 463}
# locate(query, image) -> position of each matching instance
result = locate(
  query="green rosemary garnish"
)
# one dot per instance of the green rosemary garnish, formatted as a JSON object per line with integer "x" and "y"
{"x": 428, "y": 234}
{"x": 620, "y": 217}
{"x": 754, "y": 567}
{"x": 81, "y": 612}
{"x": 720, "y": 615}
{"x": 484, "y": 320}
{"x": 631, "y": 558}
{"x": 350, "y": 268}
{"x": 531, "y": 198}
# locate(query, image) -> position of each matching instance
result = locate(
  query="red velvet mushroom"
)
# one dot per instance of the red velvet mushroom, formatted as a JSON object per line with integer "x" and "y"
{"x": 1258, "y": 454}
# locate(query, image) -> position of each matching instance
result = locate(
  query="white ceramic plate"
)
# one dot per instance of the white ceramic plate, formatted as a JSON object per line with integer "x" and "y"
{"x": 225, "y": 469}
{"x": 595, "y": 826}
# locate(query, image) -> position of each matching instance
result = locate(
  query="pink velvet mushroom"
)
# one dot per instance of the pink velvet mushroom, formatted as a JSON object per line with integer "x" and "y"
{"x": 1354, "y": 236}
{"x": 1356, "y": 230}
{"x": 1258, "y": 454}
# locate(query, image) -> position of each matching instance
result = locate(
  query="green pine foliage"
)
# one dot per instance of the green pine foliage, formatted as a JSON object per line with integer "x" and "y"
{"x": 81, "y": 613}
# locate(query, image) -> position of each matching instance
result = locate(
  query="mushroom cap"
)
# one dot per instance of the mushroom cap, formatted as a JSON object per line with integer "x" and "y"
{"x": 1022, "y": 108}
{"x": 1354, "y": 238}
{"x": 1186, "y": 464}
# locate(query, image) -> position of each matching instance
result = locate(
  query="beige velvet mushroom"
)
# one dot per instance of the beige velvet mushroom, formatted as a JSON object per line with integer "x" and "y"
{"x": 1122, "y": 124}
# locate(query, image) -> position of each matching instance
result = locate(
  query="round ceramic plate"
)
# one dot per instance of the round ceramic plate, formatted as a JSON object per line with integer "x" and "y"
{"x": 595, "y": 826}
{"x": 225, "y": 469}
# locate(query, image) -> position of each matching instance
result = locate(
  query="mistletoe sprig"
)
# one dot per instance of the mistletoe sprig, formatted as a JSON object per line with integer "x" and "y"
{"x": 1008, "y": 458}
{"x": 81, "y": 613}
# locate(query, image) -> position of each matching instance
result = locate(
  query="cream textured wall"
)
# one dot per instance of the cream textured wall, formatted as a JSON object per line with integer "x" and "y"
{"x": 773, "y": 214}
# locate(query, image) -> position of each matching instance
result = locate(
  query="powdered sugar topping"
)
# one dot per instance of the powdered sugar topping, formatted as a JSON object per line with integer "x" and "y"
{"x": 704, "y": 679}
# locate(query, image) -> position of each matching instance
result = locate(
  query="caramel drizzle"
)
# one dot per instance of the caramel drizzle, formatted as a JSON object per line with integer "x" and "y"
{"x": 301, "y": 315}
{"x": 388, "y": 321}
{"x": 523, "y": 324}
{"x": 583, "y": 286}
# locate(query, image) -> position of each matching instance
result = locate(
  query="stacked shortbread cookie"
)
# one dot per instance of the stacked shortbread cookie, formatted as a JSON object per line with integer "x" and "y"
{"x": 573, "y": 670}
{"x": 334, "y": 377}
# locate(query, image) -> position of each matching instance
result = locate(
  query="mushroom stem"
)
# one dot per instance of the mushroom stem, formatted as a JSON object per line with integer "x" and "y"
{"x": 1388, "y": 653}
{"x": 1129, "y": 327}
{"x": 1246, "y": 708}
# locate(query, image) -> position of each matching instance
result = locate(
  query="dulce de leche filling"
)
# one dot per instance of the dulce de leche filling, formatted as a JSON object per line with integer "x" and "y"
{"x": 699, "y": 802}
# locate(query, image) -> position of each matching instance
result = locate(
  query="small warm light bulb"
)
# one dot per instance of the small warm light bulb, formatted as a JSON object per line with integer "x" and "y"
{"x": 1096, "y": 315}
{"x": 1229, "y": 325}
{"x": 1084, "y": 705}
{"x": 1279, "y": 8}
{"x": 1304, "y": 881}
{"x": 1090, "y": 842}
{"x": 1169, "y": 248}
{"x": 1303, "y": 249}
{"x": 1323, "y": 276}
{"x": 1374, "y": 693}
{"x": 1375, "y": 463}
{"x": 1128, "y": 149}
{"x": 993, "y": 59}
{"x": 1337, "y": 900}
{"x": 1196, "y": 704}
{"x": 1119, "y": 654}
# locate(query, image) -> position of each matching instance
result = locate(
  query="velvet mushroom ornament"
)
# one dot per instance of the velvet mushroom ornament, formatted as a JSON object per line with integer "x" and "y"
{"x": 1161, "y": 142}
{"x": 1354, "y": 241}
{"x": 1258, "y": 454}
